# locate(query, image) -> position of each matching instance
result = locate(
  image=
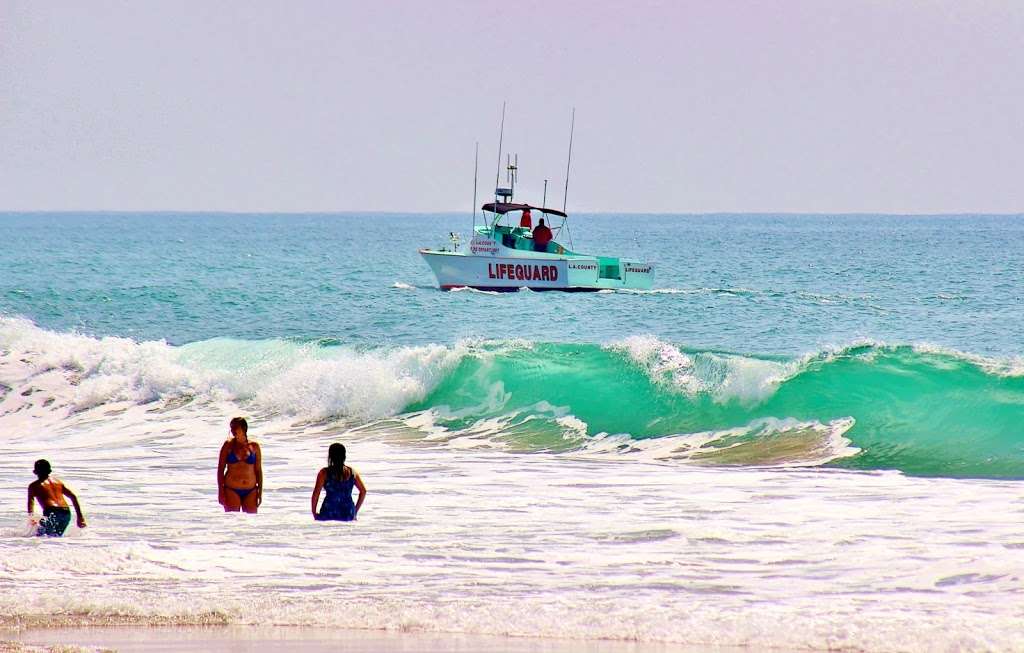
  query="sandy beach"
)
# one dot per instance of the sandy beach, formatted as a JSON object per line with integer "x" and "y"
{"x": 239, "y": 639}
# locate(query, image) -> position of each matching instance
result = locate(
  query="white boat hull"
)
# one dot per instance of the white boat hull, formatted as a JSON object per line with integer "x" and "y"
{"x": 536, "y": 272}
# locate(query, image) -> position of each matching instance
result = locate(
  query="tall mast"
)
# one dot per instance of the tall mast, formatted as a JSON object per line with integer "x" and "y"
{"x": 501, "y": 137}
{"x": 476, "y": 171}
{"x": 572, "y": 126}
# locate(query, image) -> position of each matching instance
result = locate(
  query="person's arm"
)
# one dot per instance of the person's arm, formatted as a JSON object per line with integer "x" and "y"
{"x": 74, "y": 501}
{"x": 362, "y": 491}
{"x": 31, "y": 501}
{"x": 317, "y": 487}
{"x": 259, "y": 474}
{"x": 222, "y": 461}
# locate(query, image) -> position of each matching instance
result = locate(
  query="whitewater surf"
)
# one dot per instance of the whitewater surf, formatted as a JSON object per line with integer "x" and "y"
{"x": 748, "y": 446}
{"x": 913, "y": 408}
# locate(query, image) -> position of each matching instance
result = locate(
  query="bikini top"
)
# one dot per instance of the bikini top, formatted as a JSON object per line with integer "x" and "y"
{"x": 250, "y": 459}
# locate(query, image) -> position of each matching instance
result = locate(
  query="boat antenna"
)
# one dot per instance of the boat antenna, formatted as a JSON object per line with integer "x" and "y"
{"x": 501, "y": 137}
{"x": 544, "y": 202}
{"x": 476, "y": 172}
{"x": 513, "y": 173}
{"x": 572, "y": 126}
{"x": 565, "y": 195}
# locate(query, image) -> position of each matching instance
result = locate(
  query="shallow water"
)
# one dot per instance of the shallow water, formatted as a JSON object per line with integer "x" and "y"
{"x": 808, "y": 435}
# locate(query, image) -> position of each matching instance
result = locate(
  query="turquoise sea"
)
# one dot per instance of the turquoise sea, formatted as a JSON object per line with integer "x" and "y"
{"x": 808, "y": 436}
{"x": 911, "y": 326}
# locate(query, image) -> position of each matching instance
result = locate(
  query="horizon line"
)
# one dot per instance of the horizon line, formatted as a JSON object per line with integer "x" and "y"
{"x": 469, "y": 213}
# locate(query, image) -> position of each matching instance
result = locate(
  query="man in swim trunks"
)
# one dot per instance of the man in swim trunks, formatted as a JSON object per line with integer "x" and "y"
{"x": 50, "y": 493}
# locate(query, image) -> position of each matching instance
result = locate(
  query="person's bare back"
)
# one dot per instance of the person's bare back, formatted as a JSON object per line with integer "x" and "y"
{"x": 49, "y": 492}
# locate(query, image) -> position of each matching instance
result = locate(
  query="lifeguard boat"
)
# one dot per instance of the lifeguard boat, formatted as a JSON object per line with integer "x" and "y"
{"x": 506, "y": 257}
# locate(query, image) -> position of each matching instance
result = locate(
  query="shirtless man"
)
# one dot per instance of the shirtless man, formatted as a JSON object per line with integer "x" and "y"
{"x": 50, "y": 493}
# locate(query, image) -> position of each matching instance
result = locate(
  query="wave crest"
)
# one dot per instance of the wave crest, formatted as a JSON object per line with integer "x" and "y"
{"x": 79, "y": 372}
{"x": 917, "y": 408}
{"x": 723, "y": 376}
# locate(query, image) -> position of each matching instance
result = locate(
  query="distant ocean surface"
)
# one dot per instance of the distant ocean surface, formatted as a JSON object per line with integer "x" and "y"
{"x": 812, "y": 415}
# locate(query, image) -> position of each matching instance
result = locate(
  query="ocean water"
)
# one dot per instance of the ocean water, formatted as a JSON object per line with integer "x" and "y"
{"x": 809, "y": 434}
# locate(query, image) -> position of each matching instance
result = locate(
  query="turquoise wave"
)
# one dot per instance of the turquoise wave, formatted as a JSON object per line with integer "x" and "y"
{"x": 917, "y": 410}
{"x": 920, "y": 410}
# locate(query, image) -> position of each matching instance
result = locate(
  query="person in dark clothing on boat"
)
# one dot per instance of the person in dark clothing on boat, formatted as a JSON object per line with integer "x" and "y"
{"x": 541, "y": 236}
{"x": 337, "y": 479}
{"x": 50, "y": 493}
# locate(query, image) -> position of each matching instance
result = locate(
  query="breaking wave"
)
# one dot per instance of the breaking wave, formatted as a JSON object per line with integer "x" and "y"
{"x": 917, "y": 408}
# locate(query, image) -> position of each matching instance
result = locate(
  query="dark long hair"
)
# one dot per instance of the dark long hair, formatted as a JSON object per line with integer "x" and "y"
{"x": 336, "y": 461}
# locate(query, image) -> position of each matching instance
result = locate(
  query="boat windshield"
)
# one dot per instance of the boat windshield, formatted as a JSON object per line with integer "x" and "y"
{"x": 521, "y": 238}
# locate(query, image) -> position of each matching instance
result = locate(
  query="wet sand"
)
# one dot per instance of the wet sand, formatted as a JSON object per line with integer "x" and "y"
{"x": 246, "y": 639}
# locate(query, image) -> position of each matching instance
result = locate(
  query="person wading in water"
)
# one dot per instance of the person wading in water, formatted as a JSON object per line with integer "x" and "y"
{"x": 240, "y": 471}
{"x": 50, "y": 493}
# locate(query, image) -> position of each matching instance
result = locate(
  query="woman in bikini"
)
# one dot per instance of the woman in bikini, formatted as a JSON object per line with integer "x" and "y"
{"x": 337, "y": 479}
{"x": 240, "y": 471}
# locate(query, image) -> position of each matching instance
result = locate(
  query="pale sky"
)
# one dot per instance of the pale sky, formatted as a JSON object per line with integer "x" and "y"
{"x": 798, "y": 106}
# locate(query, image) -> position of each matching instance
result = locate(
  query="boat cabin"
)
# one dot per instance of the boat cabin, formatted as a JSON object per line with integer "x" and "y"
{"x": 520, "y": 237}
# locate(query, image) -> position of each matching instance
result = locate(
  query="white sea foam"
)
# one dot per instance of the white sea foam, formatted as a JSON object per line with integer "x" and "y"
{"x": 663, "y": 362}
{"x": 646, "y": 552}
{"x": 666, "y": 291}
{"x": 652, "y": 550}
{"x": 475, "y": 290}
{"x": 722, "y": 376}
{"x": 870, "y": 348}
{"x": 1007, "y": 367}
{"x": 81, "y": 372}
{"x": 765, "y": 442}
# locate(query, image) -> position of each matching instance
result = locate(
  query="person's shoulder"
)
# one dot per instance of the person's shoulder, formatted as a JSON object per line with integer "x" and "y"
{"x": 35, "y": 485}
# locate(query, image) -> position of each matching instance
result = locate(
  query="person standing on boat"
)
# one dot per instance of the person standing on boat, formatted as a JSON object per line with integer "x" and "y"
{"x": 240, "y": 470}
{"x": 526, "y": 221}
{"x": 541, "y": 237}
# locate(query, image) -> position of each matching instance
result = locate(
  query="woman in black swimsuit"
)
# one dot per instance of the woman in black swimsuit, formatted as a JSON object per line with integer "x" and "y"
{"x": 240, "y": 471}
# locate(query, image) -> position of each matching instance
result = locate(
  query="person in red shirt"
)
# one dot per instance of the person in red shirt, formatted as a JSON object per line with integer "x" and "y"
{"x": 541, "y": 237}
{"x": 526, "y": 221}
